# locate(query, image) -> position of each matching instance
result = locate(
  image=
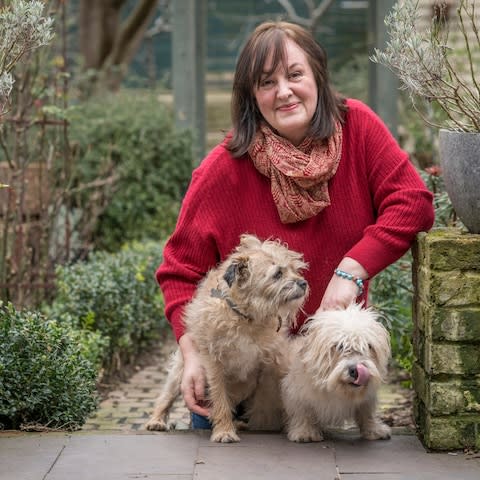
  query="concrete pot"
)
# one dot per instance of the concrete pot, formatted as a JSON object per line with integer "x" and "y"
{"x": 460, "y": 162}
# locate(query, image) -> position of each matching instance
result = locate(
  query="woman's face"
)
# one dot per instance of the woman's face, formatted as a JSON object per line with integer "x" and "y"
{"x": 287, "y": 99}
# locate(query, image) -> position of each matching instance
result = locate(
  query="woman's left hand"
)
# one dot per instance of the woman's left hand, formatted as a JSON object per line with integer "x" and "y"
{"x": 342, "y": 292}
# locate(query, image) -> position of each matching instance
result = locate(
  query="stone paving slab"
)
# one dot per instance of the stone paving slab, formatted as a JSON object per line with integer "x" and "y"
{"x": 29, "y": 457}
{"x": 116, "y": 457}
{"x": 190, "y": 455}
{"x": 407, "y": 459}
{"x": 265, "y": 456}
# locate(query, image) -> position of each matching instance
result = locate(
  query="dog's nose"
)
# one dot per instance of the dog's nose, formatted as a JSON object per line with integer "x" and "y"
{"x": 359, "y": 373}
{"x": 302, "y": 284}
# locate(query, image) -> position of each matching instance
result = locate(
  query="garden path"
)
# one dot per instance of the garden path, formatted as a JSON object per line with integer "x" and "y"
{"x": 129, "y": 404}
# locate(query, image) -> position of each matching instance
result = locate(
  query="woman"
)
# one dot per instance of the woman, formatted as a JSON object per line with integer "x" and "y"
{"x": 304, "y": 165}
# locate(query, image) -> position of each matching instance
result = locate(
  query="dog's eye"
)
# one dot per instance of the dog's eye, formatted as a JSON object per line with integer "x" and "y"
{"x": 278, "y": 274}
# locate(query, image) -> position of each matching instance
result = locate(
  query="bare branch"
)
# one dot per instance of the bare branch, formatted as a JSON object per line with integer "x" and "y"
{"x": 132, "y": 31}
{"x": 321, "y": 9}
{"x": 315, "y": 13}
{"x": 293, "y": 15}
{"x": 428, "y": 68}
{"x": 467, "y": 42}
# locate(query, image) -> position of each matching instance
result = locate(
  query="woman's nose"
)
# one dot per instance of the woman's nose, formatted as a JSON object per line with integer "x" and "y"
{"x": 284, "y": 90}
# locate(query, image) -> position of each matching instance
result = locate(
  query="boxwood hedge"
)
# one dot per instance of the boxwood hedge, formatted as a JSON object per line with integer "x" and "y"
{"x": 45, "y": 376}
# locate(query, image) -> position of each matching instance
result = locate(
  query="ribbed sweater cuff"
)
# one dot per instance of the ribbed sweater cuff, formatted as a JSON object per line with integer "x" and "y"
{"x": 374, "y": 255}
{"x": 176, "y": 323}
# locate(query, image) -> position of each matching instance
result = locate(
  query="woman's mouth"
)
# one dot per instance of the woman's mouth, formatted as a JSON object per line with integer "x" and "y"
{"x": 288, "y": 107}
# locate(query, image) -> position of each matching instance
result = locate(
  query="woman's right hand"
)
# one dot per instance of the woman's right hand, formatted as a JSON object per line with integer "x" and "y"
{"x": 193, "y": 380}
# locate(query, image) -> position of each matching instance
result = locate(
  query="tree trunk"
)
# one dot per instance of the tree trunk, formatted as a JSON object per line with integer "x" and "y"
{"x": 108, "y": 45}
{"x": 127, "y": 42}
{"x": 98, "y": 25}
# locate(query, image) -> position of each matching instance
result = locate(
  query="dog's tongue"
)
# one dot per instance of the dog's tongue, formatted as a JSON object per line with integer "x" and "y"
{"x": 362, "y": 375}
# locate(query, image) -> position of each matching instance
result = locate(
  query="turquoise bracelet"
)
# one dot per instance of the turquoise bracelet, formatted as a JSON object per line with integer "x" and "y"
{"x": 353, "y": 278}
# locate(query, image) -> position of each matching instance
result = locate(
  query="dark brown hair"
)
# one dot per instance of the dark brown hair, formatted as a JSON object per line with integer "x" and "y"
{"x": 269, "y": 38}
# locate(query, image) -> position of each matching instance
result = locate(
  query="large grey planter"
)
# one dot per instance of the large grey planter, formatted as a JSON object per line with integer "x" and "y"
{"x": 460, "y": 162}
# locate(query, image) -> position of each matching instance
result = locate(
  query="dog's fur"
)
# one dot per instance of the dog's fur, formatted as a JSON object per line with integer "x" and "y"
{"x": 234, "y": 320}
{"x": 337, "y": 365}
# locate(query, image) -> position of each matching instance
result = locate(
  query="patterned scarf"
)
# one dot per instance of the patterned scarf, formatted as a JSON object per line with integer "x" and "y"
{"x": 298, "y": 175}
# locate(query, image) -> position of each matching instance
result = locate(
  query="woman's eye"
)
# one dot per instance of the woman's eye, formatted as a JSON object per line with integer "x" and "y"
{"x": 266, "y": 83}
{"x": 295, "y": 75}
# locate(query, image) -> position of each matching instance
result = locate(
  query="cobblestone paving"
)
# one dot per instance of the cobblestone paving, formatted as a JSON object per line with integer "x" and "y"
{"x": 130, "y": 404}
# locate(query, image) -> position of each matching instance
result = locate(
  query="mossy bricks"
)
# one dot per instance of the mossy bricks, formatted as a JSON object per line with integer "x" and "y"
{"x": 446, "y": 339}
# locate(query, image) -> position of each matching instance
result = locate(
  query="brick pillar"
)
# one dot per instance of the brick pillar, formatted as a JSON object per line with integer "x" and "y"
{"x": 446, "y": 338}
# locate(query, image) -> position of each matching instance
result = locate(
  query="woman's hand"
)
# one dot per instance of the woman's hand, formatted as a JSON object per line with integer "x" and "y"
{"x": 193, "y": 380}
{"x": 342, "y": 292}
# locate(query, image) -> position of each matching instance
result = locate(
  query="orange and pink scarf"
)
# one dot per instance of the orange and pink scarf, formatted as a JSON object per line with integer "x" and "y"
{"x": 299, "y": 175}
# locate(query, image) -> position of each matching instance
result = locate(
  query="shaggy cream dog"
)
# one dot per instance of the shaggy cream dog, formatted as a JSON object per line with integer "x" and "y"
{"x": 234, "y": 319}
{"x": 337, "y": 364}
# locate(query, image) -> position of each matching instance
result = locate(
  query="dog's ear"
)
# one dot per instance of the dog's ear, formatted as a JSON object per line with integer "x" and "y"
{"x": 249, "y": 241}
{"x": 237, "y": 271}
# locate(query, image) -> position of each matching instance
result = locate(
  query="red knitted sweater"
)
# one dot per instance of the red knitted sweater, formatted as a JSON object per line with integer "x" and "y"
{"x": 378, "y": 204}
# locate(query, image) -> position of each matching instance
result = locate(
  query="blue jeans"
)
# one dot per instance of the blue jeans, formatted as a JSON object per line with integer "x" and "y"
{"x": 200, "y": 422}
{"x": 203, "y": 423}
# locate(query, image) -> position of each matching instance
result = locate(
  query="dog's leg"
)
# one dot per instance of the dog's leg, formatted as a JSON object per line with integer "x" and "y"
{"x": 170, "y": 391}
{"x": 371, "y": 428}
{"x": 265, "y": 409}
{"x": 302, "y": 424}
{"x": 302, "y": 427}
{"x": 221, "y": 406}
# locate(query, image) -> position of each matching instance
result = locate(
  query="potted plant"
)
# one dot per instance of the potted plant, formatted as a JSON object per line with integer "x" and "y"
{"x": 439, "y": 67}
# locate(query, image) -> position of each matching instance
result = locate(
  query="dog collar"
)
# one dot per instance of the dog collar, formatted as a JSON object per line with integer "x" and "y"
{"x": 216, "y": 293}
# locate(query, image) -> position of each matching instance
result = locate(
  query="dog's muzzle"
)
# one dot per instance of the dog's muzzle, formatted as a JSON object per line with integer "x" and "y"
{"x": 302, "y": 284}
{"x": 297, "y": 290}
{"x": 359, "y": 373}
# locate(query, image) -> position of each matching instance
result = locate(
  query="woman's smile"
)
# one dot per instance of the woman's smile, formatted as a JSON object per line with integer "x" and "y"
{"x": 287, "y": 108}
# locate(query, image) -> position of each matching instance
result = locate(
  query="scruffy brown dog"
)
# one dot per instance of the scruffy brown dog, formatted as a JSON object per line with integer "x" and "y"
{"x": 337, "y": 365}
{"x": 235, "y": 318}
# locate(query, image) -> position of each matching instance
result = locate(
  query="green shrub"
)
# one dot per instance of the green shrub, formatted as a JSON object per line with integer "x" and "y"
{"x": 391, "y": 292}
{"x": 130, "y": 137}
{"x": 115, "y": 295}
{"x": 45, "y": 377}
{"x": 351, "y": 78}
{"x": 445, "y": 215}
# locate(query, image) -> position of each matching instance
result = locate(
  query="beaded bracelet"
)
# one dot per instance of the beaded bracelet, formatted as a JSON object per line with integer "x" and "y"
{"x": 349, "y": 276}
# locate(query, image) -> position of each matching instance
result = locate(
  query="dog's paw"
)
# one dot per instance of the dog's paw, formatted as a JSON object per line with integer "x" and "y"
{"x": 379, "y": 431}
{"x": 305, "y": 435}
{"x": 224, "y": 436}
{"x": 156, "y": 425}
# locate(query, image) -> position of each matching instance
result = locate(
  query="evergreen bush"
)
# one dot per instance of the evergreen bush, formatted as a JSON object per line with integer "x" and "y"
{"x": 46, "y": 378}
{"x": 130, "y": 139}
{"x": 116, "y": 296}
{"x": 391, "y": 292}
